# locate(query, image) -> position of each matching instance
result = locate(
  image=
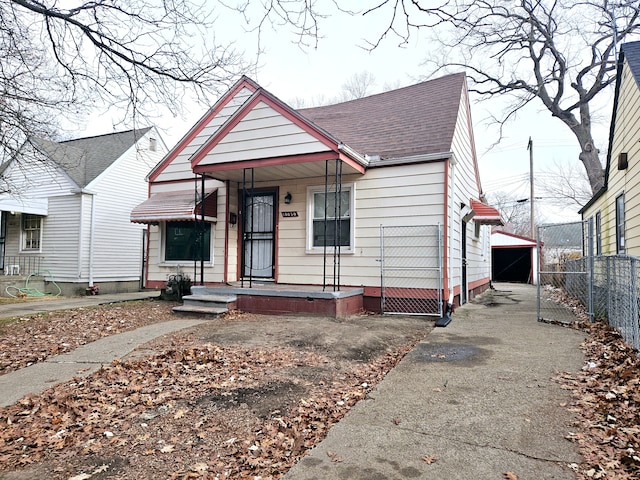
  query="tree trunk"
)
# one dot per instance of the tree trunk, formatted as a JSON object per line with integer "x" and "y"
{"x": 591, "y": 161}
{"x": 589, "y": 154}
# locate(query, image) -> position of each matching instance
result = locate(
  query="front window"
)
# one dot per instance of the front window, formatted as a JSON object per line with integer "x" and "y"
{"x": 620, "y": 230}
{"x": 31, "y": 232}
{"x": 183, "y": 241}
{"x": 331, "y": 216}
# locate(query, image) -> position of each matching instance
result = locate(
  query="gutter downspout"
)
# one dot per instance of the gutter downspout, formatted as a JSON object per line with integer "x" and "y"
{"x": 446, "y": 316}
{"x": 92, "y": 225}
{"x": 92, "y": 228}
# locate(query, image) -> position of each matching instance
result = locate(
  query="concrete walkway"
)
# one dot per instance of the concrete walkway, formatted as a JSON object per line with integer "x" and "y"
{"x": 51, "y": 304}
{"x": 85, "y": 359}
{"x": 473, "y": 400}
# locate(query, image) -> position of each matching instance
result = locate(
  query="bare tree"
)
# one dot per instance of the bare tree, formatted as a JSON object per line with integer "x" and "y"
{"x": 514, "y": 211}
{"x": 564, "y": 185}
{"x": 63, "y": 59}
{"x": 559, "y": 53}
{"x": 358, "y": 85}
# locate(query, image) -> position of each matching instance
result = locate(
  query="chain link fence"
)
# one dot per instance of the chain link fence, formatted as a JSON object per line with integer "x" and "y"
{"x": 573, "y": 281}
{"x": 562, "y": 291}
{"x": 411, "y": 269}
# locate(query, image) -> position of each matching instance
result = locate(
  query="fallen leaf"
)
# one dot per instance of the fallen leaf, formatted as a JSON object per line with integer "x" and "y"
{"x": 429, "y": 459}
{"x": 334, "y": 456}
{"x": 167, "y": 449}
{"x": 509, "y": 476}
{"x": 200, "y": 467}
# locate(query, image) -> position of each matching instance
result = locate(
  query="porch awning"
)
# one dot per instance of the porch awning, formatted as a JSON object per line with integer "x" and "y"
{"x": 176, "y": 206}
{"x": 34, "y": 206}
{"x": 485, "y": 214}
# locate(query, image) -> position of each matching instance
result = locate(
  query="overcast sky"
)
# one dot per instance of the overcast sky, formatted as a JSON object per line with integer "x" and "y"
{"x": 293, "y": 73}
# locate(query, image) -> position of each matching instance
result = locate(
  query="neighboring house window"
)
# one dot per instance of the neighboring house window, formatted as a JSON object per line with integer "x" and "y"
{"x": 31, "y": 231}
{"x": 330, "y": 218}
{"x": 182, "y": 241}
{"x": 598, "y": 234}
{"x": 152, "y": 144}
{"x": 620, "y": 244}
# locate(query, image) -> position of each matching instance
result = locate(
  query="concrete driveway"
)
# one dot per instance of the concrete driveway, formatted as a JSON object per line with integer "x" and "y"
{"x": 474, "y": 400}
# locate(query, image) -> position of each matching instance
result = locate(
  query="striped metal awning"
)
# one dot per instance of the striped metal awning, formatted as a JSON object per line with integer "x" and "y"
{"x": 176, "y": 206}
{"x": 485, "y": 214}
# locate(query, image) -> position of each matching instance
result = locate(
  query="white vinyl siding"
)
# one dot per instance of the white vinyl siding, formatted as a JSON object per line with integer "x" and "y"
{"x": 263, "y": 133}
{"x": 399, "y": 195}
{"x": 60, "y": 238}
{"x": 180, "y": 167}
{"x": 466, "y": 186}
{"x": 117, "y": 243}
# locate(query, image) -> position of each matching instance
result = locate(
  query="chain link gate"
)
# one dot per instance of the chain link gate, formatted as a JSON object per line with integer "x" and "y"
{"x": 411, "y": 269}
{"x": 565, "y": 270}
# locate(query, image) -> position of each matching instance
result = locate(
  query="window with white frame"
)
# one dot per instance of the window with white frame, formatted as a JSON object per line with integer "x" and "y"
{"x": 620, "y": 224}
{"x": 187, "y": 241}
{"x": 31, "y": 232}
{"x": 330, "y": 218}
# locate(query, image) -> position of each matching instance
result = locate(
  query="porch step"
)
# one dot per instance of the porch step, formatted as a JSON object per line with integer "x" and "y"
{"x": 206, "y": 305}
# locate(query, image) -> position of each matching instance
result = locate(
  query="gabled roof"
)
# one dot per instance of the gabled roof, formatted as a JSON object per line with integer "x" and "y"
{"x": 415, "y": 120}
{"x": 629, "y": 53}
{"x": 520, "y": 239}
{"x": 84, "y": 159}
{"x": 202, "y": 123}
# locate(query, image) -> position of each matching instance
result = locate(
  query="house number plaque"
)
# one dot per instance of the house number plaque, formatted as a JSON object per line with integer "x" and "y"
{"x": 289, "y": 214}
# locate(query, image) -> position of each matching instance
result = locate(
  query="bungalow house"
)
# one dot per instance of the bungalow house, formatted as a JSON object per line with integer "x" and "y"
{"x": 65, "y": 212}
{"x": 615, "y": 208}
{"x": 373, "y": 203}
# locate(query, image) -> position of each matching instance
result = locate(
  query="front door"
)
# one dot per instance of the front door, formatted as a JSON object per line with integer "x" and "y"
{"x": 258, "y": 245}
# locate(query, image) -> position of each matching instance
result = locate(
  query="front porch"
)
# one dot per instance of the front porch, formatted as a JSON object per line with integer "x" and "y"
{"x": 278, "y": 299}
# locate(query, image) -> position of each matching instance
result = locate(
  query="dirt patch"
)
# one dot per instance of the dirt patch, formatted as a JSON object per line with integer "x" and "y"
{"x": 242, "y": 396}
{"x": 265, "y": 401}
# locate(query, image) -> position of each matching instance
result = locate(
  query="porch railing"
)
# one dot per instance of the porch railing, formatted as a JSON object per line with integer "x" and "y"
{"x": 21, "y": 265}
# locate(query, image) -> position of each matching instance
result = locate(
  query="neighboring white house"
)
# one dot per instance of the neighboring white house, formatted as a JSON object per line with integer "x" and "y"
{"x": 66, "y": 213}
{"x": 326, "y": 197}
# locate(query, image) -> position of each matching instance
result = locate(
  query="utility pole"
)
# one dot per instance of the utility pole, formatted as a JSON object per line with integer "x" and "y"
{"x": 533, "y": 224}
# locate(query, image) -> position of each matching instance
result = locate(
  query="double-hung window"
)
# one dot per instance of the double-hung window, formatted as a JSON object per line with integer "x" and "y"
{"x": 330, "y": 219}
{"x": 620, "y": 224}
{"x": 187, "y": 241}
{"x": 31, "y": 232}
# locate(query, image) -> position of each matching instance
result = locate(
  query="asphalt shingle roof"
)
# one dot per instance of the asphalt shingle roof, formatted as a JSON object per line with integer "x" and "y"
{"x": 84, "y": 159}
{"x": 631, "y": 52}
{"x": 415, "y": 120}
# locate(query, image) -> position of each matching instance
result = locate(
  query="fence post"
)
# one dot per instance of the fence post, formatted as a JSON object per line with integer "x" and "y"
{"x": 538, "y": 267}
{"x": 633, "y": 298}
{"x": 590, "y": 280}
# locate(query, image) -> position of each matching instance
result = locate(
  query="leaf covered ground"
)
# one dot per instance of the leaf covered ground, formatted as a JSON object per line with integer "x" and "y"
{"x": 606, "y": 399}
{"x": 245, "y": 396}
